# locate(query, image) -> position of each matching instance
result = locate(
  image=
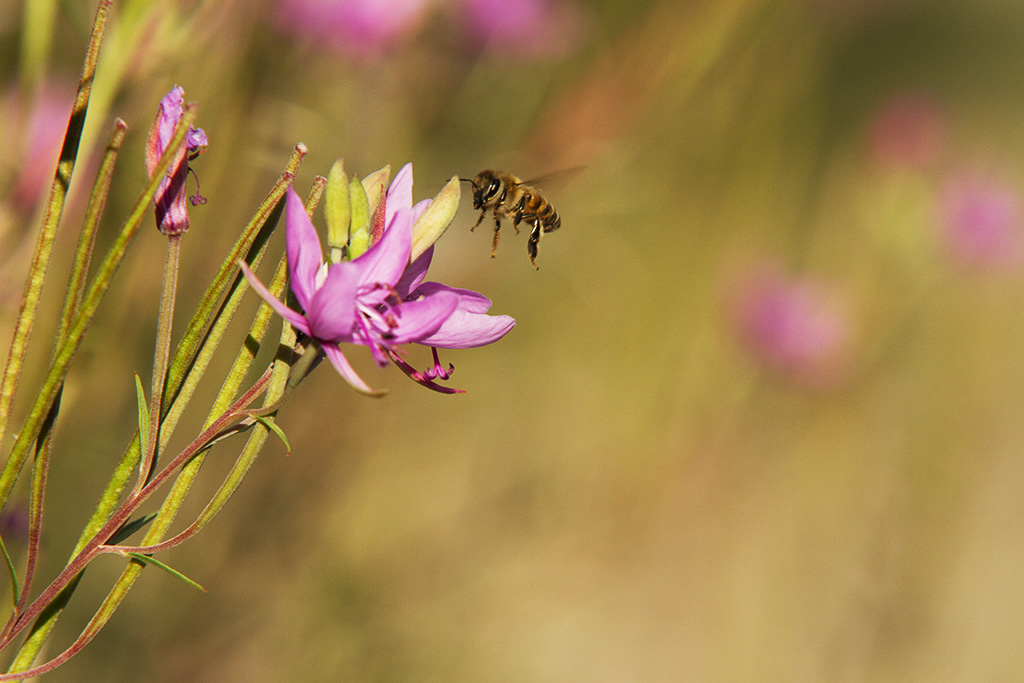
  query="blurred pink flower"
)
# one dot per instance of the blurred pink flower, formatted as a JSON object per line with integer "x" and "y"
{"x": 357, "y": 27}
{"x": 981, "y": 220}
{"x": 907, "y": 131}
{"x": 523, "y": 28}
{"x": 792, "y": 325}
{"x": 46, "y": 124}
{"x": 369, "y": 28}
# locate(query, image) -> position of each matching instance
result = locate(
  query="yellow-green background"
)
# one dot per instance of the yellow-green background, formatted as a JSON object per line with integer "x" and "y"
{"x": 624, "y": 493}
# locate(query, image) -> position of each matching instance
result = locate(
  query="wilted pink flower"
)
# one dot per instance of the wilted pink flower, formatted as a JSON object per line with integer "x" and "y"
{"x": 360, "y": 27}
{"x": 907, "y": 131}
{"x": 379, "y": 300}
{"x": 981, "y": 219}
{"x": 522, "y": 27}
{"x": 791, "y": 325}
{"x": 171, "y": 212}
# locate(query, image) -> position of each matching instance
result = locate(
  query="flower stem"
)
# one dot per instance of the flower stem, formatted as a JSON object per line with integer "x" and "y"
{"x": 72, "y": 300}
{"x": 130, "y": 505}
{"x": 191, "y": 359}
{"x": 160, "y": 357}
{"x": 48, "y": 231}
{"x": 101, "y": 283}
{"x": 283, "y": 368}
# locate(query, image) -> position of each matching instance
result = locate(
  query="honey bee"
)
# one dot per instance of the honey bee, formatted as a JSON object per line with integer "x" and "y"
{"x": 509, "y": 198}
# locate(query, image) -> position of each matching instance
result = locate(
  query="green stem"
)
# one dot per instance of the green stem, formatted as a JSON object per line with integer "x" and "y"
{"x": 161, "y": 356}
{"x": 72, "y": 300}
{"x": 101, "y": 283}
{"x": 197, "y": 345}
{"x": 125, "y": 511}
{"x": 279, "y": 387}
{"x": 87, "y": 237}
{"x": 276, "y": 387}
{"x": 172, "y": 503}
{"x": 190, "y": 361}
{"x": 48, "y": 231}
{"x": 189, "y": 472}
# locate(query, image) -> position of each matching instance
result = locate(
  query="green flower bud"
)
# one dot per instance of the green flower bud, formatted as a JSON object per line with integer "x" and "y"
{"x": 359, "y": 206}
{"x": 375, "y": 185}
{"x": 436, "y": 219}
{"x": 338, "y": 210}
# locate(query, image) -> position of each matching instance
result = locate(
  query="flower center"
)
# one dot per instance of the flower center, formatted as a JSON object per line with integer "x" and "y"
{"x": 376, "y": 323}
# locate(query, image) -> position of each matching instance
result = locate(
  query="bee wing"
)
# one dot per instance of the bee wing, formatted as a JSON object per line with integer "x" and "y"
{"x": 558, "y": 177}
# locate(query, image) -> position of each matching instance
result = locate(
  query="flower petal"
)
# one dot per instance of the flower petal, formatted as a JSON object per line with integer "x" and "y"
{"x": 167, "y": 116}
{"x": 196, "y": 140}
{"x": 332, "y": 310}
{"x": 384, "y": 262}
{"x": 464, "y": 330}
{"x": 422, "y": 317}
{"x": 305, "y": 258}
{"x": 341, "y": 364}
{"x": 399, "y": 193}
{"x": 469, "y": 325}
{"x": 469, "y": 301}
{"x": 418, "y": 209}
{"x": 296, "y": 320}
{"x": 414, "y": 274}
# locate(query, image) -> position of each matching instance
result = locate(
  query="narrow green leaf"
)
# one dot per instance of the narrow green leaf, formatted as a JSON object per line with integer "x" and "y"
{"x": 146, "y": 559}
{"x": 129, "y": 528}
{"x": 272, "y": 426}
{"x": 140, "y": 396}
{"x": 15, "y": 588}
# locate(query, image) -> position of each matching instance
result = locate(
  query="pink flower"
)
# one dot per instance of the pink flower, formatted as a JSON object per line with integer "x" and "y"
{"x": 523, "y": 28}
{"x": 359, "y": 27}
{"x": 379, "y": 300}
{"x": 48, "y": 121}
{"x": 981, "y": 219}
{"x": 171, "y": 212}
{"x": 30, "y": 146}
{"x": 791, "y": 325}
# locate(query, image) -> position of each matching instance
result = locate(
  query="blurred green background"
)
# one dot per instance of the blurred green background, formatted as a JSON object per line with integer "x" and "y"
{"x": 760, "y": 418}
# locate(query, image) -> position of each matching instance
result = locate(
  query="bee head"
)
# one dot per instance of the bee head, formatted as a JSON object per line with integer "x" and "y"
{"x": 481, "y": 187}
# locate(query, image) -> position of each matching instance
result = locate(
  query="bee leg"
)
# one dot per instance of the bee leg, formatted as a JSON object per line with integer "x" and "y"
{"x": 497, "y": 233}
{"x": 478, "y": 220}
{"x": 515, "y": 222}
{"x": 531, "y": 244}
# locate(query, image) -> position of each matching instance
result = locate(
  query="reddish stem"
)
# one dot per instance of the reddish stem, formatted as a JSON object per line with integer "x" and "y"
{"x": 94, "y": 547}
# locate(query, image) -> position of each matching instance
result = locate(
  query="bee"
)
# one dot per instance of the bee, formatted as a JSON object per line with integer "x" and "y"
{"x": 509, "y": 198}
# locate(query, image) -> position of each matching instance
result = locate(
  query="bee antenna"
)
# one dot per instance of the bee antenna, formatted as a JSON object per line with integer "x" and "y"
{"x": 467, "y": 180}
